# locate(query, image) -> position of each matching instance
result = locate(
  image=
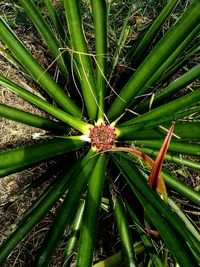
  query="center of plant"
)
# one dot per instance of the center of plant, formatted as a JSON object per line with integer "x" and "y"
{"x": 102, "y": 136}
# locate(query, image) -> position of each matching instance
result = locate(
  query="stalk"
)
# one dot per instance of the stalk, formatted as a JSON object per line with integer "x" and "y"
{"x": 91, "y": 214}
{"x": 174, "y": 37}
{"x": 99, "y": 10}
{"x": 80, "y": 54}
{"x": 38, "y": 73}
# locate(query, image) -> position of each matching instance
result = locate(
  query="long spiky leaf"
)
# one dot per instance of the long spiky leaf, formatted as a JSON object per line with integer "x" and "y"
{"x": 30, "y": 119}
{"x": 155, "y": 59}
{"x": 80, "y": 54}
{"x": 38, "y": 213}
{"x": 124, "y": 231}
{"x": 152, "y": 32}
{"x": 155, "y": 208}
{"x": 39, "y": 102}
{"x": 91, "y": 214}
{"x": 66, "y": 212}
{"x": 39, "y": 74}
{"x": 99, "y": 9}
{"x": 47, "y": 34}
{"x": 27, "y": 156}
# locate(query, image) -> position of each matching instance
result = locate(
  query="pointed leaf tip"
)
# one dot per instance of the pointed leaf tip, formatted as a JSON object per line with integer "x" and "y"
{"x": 155, "y": 179}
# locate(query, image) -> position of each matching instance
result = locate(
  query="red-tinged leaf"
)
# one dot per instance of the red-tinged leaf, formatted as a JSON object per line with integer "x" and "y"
{"x": 150, "y": 163}
{"x": 155, "y": 179}
{"x": 153, "y": 233}
{"x": 136, "y": 153}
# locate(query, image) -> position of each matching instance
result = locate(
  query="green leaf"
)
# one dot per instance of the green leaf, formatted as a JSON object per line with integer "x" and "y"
{"x": 91, "y": 214}
{"x": 169, "y": 61}
{"x": 47, "y": 34}
{"x": 74, "y": 235}
{"x": 27, "y": 156}
{"x": 188, "y": 130}
{"x": 174, "y": 37}
{"x": 65, "y": 213}
{"x": 39, "y": 102}
{"x": 117, "y": 258}
{"x": 39, "y": 74}
{"x": 173, "y": 158}
{"x": 124, "y": 231}
{"x": 153, "y": 31}
{"x": 80, "y": 54}
{"x": 180, "y": 62}
{"x": 170, "y": 227}
{"x": 167, "y": 112}
{"x": 100, "y": 27}
{"x": 177, "y": 147}
{"x": 182, "y": 188}
{"x": 56, "y": 21}
{"x": 27, "y": 118}
{"x": 172, "y": 88}
{"x": 148, "y": 244}
{"x": 184, "y": 218}
{"x": 40, "y": 210}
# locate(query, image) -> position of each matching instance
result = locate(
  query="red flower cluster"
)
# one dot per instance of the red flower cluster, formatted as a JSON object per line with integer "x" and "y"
{"x": 102, "y": 136}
